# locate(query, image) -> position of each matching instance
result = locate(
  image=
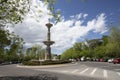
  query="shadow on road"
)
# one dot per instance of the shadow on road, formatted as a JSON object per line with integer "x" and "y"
{"x": 39, "y": 77}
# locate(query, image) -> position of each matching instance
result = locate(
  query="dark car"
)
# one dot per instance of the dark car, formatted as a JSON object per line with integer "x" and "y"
{"x": 117, "y": 60}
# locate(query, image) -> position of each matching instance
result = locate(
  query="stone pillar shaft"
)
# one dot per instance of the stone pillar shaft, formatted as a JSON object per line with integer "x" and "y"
{"x": 48, "y": 34}
{"x": 48, "y": 53}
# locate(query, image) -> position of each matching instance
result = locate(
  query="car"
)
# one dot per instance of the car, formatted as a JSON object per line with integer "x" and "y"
{"x": 101, "y": 60}
{"x": 6, "y": 63}
{"x": 117, "y": 60}
{"x": 82, "y": 59}
{"x": 110, "y": 60}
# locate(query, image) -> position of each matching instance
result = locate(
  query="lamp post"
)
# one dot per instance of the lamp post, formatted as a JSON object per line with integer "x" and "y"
{"x": 48, "y": 43}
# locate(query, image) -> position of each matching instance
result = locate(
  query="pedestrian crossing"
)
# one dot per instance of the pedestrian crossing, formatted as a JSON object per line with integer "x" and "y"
{"x": 92, "y": 73}
{"x": 118, "y": 73}
{"x": 88, "y": 71}
{"x": 84, "y": 70}
{"x": 105, "y": 74}
{"x": 75, "y": 70}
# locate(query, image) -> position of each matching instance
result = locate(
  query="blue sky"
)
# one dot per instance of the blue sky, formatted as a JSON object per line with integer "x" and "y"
{"x": 111, "y": 8}
{"x": 92, "y": 7}
{"x": 79, "y": 21}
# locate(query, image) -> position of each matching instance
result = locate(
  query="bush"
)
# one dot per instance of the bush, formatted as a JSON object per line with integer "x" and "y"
{"x": 31, "y": 63}
{"x": 36, "y": 63}
{"x": 54, "y": 62}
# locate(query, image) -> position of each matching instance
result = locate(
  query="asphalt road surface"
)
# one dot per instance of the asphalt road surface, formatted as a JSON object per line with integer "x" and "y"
{"x": 76, "y": 71}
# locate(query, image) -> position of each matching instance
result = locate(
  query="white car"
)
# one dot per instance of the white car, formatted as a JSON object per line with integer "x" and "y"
{"x": 110, "y": 60}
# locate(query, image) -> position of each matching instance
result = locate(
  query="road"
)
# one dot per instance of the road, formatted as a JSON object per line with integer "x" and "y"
{"x": 76, "y": 71}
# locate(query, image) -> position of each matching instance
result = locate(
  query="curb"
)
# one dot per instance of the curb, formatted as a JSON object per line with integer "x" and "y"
{"x": 47, "y": 66}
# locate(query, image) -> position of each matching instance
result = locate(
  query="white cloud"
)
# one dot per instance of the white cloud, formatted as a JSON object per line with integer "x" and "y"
{"x": 65, "y": 33}
{"x": 100, "y": 24}
{"x": 85, "y": 15}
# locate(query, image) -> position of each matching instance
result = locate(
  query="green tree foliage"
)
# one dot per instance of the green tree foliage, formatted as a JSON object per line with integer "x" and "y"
{"x": 16, "y": 47}
{"x": 4, "y": 38}
{"x": 11, "y": 46}
{"x": 12, "y": 11}
{"x": 35, "y": 52}
{"x": 67, "y": 54}
{"x": 105, "y": 40}
{"x": 70, "y": 54}
{"x": 100, "y": 52}
{"x": 114, "y": 42}
{"x": 54, "y": 13}
{"x": 106, "y": 47}
{"x": 4, "y": 42}
{"x": 78, "y": 47}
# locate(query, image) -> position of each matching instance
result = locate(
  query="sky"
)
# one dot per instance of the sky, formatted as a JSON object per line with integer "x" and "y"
{"x": 80, "y": 21}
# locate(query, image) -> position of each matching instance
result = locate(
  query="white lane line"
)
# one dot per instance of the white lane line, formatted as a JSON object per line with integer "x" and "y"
{"x": 93, "y": 71}
{"x": 84, "y": 70}
{"x": 118, "y": 73}
{"x": 105, "y": 73}
{"x": 74, "y": 71}
{"x": 64, "y": 71}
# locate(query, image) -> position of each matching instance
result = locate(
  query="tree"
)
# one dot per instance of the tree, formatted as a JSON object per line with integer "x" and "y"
{"x": 70, "y": 54}
{"x": 67, "y": 54}
{"x": 12, "y": 11}
{"x": 11, "y": 45}
{"x": 105, "y": 40}
{"x": 78, "y": 47}
{"x": 4, "y": 42}
{"x": 115, "y": 35}
{"x": 114, "y": 42}
{"x": 16, "y": 47}
{"x": 35, "y": 52}
{"x": 100, "y": 51}
{"x": 4, "y": 38}
{"x": 40, "y": 52}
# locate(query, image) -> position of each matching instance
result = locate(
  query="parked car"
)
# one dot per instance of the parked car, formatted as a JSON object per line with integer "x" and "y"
{"x": 82, "y": 59}
{"x": 101, "y": 60}
{"x": 117, "y": 60}
{"x": 6, "y": 63}
{"x": 110, "y": 60}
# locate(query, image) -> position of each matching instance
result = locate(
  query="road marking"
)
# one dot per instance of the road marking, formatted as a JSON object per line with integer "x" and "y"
{"x": 75, "y": 71}
{"x": 84, "y": 70}
{"x": 64, "y": 71}
{"x": 105, "y": 73}
{"x": 93, "y": 71}
{"x": 118, "y": 73}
